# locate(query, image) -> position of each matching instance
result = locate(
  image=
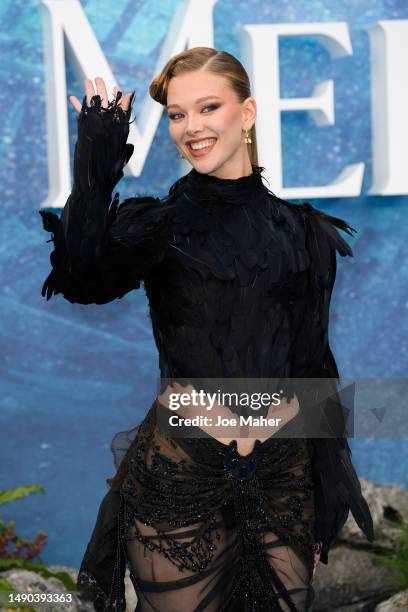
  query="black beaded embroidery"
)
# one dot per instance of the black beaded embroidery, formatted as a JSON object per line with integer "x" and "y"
{"x": 166, "y": 494}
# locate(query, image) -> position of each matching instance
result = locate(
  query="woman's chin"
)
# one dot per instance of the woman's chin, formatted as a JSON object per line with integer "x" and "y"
{"x": 205, "y": 165}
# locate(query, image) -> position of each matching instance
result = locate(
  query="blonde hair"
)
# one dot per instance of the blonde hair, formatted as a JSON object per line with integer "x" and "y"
{"x": 217, "y": 62}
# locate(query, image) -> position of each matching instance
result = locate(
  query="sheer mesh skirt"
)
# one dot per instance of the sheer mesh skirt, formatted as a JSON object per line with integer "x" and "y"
{"x": 202, "y": 528}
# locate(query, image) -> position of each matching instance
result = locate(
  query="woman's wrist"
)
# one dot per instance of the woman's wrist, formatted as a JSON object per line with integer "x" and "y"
{"x": 101, "y": 150}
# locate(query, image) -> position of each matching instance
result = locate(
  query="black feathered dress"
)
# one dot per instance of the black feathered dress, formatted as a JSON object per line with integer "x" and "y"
{"x": 238, "y": 283}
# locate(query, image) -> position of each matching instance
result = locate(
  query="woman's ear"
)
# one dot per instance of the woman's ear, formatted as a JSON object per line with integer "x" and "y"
{"x": 248, "y": 113}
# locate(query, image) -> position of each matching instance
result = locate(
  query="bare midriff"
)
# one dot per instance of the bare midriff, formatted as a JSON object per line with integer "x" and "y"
{"x": 244, "y": 435}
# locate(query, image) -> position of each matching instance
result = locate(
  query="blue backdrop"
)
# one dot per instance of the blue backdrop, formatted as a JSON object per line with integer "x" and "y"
{"x": 74, "y": 375}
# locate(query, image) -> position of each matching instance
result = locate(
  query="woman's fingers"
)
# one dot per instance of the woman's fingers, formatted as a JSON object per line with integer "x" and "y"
{"x": 89, "y": 90}
{"x": 317, "y": 554}
{"x": 101, "y": 91}
{"x": 115, "y": 91}
{"x": 124, "y": 102}
{"x": 75, "y": 103}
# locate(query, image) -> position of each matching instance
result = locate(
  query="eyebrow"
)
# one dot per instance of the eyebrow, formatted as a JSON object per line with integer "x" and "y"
{"x": 197, "y": 101}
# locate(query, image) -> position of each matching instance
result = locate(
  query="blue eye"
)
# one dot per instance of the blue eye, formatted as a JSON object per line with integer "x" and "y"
{"x": 173, "y": 117}
{"x": 211, "y": 106}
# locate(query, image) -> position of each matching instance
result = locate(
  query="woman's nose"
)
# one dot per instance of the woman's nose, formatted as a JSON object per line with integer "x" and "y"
{"x": 194, "y": 126}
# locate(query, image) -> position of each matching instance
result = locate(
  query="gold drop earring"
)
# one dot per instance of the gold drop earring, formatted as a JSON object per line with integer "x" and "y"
{"x": 248, "y": 139}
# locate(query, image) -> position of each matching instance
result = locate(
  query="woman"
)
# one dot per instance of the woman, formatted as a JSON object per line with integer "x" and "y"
{"x": 239, "y": 284}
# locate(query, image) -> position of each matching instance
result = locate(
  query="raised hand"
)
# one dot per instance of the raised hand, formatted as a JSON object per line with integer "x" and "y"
{"x": 124, "y": 102}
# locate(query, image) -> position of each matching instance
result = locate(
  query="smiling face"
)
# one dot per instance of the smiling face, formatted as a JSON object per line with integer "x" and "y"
{"x": 203, "y": 107}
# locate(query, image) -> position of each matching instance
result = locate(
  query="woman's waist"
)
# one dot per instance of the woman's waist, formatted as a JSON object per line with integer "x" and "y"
{"x": 185, "y": 411}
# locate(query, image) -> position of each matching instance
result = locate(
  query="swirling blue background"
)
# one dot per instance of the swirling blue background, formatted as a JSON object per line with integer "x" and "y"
{"x": 74, "y": 375}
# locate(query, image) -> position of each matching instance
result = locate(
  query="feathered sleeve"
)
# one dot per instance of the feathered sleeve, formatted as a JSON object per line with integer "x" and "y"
{"x": 337, "y": 488}
{"x": 320, "y": 241}
{"x": 102, "y": 250}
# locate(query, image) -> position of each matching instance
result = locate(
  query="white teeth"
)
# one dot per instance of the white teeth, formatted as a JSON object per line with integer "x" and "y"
{"x": 202, "y": 144}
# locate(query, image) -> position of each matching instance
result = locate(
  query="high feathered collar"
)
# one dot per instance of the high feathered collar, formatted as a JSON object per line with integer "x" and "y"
{"x": 213, "y": 190}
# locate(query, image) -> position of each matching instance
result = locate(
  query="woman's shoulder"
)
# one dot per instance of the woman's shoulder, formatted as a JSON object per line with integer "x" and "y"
{"x": 144, "y": 214}
{"x": 318, "y": 225}
{"x": 149, "y": 200}
{"x": 140, "y": 218}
